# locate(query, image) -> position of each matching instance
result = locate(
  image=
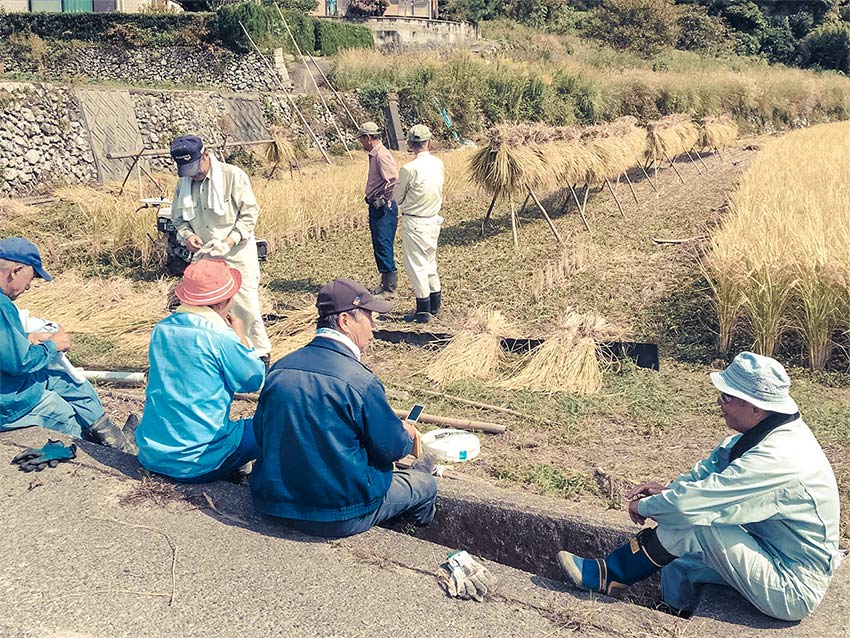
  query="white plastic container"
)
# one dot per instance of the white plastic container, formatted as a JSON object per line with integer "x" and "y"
{"x": 451, "y": 446}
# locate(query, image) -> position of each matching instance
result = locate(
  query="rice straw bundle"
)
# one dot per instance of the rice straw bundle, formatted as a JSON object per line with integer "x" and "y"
{"x": 475, "y": 352}
{"x": 566, "y": 361}
{"x": 503, "y": 168}
{"x": 615, "y": 148}
{"x": 108, "y": 308}
{"x": 293, "y": 332}
{"x": 280, "y": 150}
{"x": 555, "y": 271}
{"x": 670, "y": 137}
{"x": 717, "y": 133}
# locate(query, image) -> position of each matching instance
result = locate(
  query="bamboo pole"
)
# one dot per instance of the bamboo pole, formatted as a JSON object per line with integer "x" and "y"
{"x": 489, "y": 212}
{"x": 513, "y": 221}
{"x": 285, "y": 92}
{"x": 673, "y": 166}
{"x": 315, "y": 84}
{"x": 648, "y": 179}
{"x": 136, "y": 159}
{"x": 546, "y": 215}
{"x": 524, "y": 204}
{"x": 699, "y": 172}
{"x": 461, "y": 400}
{"x": 580, "y": 209}
{"x": 333, "y": 90}
{"x": 631, "y": 186}
{"x": 460, "y": 424}
{"x": 699, "y": 157}
{"x": 614, "y": 195}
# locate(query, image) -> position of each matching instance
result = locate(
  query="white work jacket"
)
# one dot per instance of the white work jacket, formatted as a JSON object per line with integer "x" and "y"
{"x": 419, "y": 189}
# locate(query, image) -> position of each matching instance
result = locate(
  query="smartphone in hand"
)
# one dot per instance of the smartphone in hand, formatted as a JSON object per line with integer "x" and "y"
{"x": 415, "y": 413}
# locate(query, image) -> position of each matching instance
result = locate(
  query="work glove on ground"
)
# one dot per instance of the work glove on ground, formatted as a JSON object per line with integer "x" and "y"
{"x": 37, "y": 459}
{"x": 468, "y": 578}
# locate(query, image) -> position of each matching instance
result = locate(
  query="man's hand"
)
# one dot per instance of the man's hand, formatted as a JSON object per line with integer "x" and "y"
{"x": 230, "y": 242}
{"x": 238, "y": 326}
{"x": 39, "y": 337}
{"x": 409, "y": 428}
{"x": 194, "y": 243}
{"x": 634, "y": 514}
{"x": 645, "y": 489}
{"x": 62, "y": 340}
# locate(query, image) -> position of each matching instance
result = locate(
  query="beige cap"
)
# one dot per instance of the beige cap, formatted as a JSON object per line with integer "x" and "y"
{"x": 419, "y": 133}
{"x": 368, "y": 128}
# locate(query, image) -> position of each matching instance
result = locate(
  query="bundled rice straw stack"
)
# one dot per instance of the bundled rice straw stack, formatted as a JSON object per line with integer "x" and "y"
{"x": 295, "y": 331}
{"x": 717, "y": 133}
{"x": 475, "y": 352}
{"x": 281, "y": 150}
{"x": 108, "y": 308}
{"x": 613, "y": 148}
{"x": 506, "y": 164}
{"x": 670, "y": 137}
{"x": 567, "y": 361}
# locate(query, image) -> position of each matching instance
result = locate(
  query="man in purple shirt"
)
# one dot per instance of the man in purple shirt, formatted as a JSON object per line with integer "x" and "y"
{"x": 383, "y": 211}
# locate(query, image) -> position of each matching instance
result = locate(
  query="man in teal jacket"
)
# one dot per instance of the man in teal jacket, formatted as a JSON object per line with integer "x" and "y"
{"x": 327, "y": 436}
{"x": 760, "y": 514}
{"x": 199, "y": 357}
{"x": 32, "y": 394}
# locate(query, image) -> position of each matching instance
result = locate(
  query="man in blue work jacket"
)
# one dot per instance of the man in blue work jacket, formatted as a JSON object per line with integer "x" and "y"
{"x": 199, "y": 358}
{"x": 32, "y": 392}
{"x": 760, "y": 514}
{"x": 327, "y": 436}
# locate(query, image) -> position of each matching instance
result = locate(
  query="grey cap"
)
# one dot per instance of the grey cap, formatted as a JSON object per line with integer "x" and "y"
{"x": 419, "y": 133}
{"x": 368, "y": 128}
{"x": 758, "y": 380}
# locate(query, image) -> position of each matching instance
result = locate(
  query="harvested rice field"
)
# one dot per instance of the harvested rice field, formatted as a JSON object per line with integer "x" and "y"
{"x": 586, "y": 442}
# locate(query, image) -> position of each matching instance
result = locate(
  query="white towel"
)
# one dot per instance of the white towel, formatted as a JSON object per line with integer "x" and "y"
{"x": 60, "y": 361}
{"x": 185, "y": 205}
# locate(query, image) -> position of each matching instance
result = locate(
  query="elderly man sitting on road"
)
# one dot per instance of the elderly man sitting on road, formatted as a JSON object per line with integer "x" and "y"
{"x": 199, "y": 358}
{"x": 760, "y": 514}
{"x": 327, "y": 436}
{"x": 34, "y": 392}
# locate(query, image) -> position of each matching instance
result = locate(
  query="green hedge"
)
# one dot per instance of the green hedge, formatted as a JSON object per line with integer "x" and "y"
{"x": 334, "y": 35}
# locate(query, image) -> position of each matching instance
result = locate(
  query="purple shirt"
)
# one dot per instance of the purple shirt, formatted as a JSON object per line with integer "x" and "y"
{"x": 382, "y": 174}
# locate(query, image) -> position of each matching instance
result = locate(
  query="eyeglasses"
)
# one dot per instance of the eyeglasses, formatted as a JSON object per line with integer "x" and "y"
{"x": 726, "y": 398}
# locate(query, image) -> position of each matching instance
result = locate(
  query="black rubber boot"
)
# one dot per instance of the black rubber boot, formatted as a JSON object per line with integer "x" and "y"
{"x": 105, "y": 432}
{"x": 389, "y": 283}
{"x": 422, "y": 314}
{"x": 436, "y": 301}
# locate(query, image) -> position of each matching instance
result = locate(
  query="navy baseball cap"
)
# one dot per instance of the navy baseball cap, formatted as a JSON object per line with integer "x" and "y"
{"x": 186, "y": 151}
{"x": 342, "y": 295}
{"x": 23, "y": 251}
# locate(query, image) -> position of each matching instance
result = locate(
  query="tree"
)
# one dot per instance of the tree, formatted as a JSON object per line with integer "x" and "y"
{"x": 643, "y": 26}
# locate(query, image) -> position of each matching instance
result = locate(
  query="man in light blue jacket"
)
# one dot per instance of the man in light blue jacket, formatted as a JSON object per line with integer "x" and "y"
{"x": 199, "y": 358}
{"x": 760, "y": 514}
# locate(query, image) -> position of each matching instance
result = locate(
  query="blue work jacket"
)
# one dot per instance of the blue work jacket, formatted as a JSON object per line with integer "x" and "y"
{"x": 327, "y": 435}
{"x": 197, "y": 363}
{"x": 20, "y": 388}
{"x": 782, "y": 491}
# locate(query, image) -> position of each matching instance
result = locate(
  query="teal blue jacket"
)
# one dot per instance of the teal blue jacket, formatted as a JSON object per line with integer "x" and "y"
{"x": 20, "y": 388}
{"x": 196, "y": 365}
{"x": 782, "y": 491}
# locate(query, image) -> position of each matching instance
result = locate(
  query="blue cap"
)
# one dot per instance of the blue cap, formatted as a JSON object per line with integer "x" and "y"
{"x": 758, "y": 380}
{"x": 187, "y": 151}
{"x": 23, "y": 251}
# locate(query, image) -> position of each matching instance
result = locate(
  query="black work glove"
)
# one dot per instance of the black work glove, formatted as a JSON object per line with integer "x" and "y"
{"x": 50, "y": 455}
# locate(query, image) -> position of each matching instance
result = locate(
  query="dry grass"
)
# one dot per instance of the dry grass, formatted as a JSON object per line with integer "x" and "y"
{"x": 717, "y": 133}
{"x": 615, "y": 148}
{"x": 567, "y": 360}
{"x": 475, "y": 352}
{"x": 114, "y": 309}
{"x": 670, "y": 137}
{"x": 294, "y": 331}
{"x": 782, "y": 255}
{"x": 555, "y": 272}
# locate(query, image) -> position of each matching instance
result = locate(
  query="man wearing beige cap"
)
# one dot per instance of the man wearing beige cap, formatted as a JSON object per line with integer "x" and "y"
{"x": 419, "y": 193}
{"x": 383, "y": 211}
{"x": 759, "y": 514}
{"x": 199, "y": 357}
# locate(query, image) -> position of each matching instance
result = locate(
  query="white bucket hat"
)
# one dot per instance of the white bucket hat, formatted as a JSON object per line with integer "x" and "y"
{"x": 758, "y": 380}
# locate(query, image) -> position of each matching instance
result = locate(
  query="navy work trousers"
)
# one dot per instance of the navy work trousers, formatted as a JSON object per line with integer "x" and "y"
{"x": 383, "y": 222}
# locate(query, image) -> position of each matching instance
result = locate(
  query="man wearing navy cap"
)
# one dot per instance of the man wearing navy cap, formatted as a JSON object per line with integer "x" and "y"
{"x": 215, "y": 211}
{"x": 30, "y": 393}
{"x": 327, "y": 436}
{"x": 760, "y": 514}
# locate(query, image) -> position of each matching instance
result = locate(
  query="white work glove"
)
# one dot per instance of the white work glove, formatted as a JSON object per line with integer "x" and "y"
{"x": 467, "y": 577}
{"x": 215, "y": 248}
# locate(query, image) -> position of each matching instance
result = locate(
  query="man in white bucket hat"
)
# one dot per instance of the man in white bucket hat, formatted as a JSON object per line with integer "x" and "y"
{"x": 760, "y": 514}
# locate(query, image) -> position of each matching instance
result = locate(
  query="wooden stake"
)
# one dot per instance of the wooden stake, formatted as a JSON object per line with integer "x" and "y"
{"x": 489, "y": 211}
{"x": 614, "y": 195}
{"x": 460, "y": 424}
{"x": 584, "y": 200}
{"x": 285, "y": 92}
{"x": 315, "y": 84}
{"x": 673, "y": 166}
{"x": 331, "y": 87}
{"x": 631, "y": 186}
{"x": 462, "y": 401}
{"x": 699, "y": 172}
{"x": 699, "y": 157}
{"x": 136, "y": 159}
{"x": 524, "y": 204}
{"x": 580, "y": 209}
{"x": 646, "y": 175}
{"x": 513, "y": 221}
{"x": 546, "y": 215}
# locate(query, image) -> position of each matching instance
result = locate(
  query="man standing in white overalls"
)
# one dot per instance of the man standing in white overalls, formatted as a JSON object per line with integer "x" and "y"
{"x": 214, "y": 212}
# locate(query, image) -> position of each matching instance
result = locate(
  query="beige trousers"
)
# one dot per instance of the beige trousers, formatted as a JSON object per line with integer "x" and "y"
{"x": 419, "y": 237}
